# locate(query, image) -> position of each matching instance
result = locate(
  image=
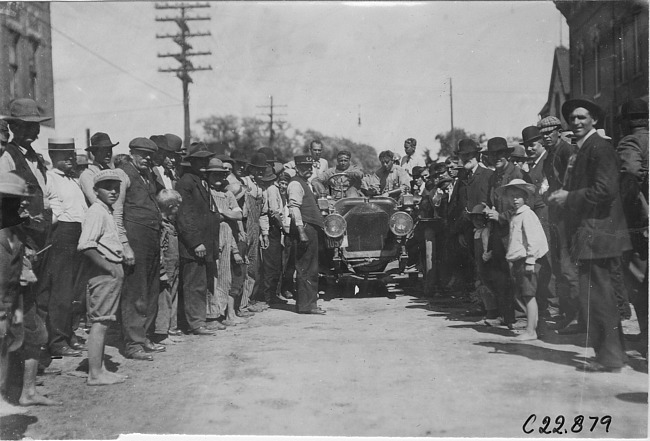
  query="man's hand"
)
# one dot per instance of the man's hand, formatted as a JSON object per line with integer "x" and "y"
{"x": 242, "y": 236}
{"x": 129, "y": 256}
{"x": 302, "y": 234}
{"x": 558, "y": 197}
{"x": 490, "y": 212}
{"x": 200, "y": 251}
{"x": 264, "y": 243}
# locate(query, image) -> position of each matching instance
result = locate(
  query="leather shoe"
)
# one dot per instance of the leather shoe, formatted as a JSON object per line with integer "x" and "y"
{"x": 150, "y": 346}
{"x": 216, "y": 326}
{"x": 202, "y": 331}
{"x": 594, "y": 366}
{"x": 78, "y": 346}
{"x": 140, "y": 355}
{"x": 175, "y": 332}
{"x": 49, "y": 370}
{"x": 66, "y": 351}
{"x": 244, "y": 314}
{"x": 317, "y": 311}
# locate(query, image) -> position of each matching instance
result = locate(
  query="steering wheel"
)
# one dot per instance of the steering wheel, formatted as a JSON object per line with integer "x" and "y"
{"x": 339, "y": 183}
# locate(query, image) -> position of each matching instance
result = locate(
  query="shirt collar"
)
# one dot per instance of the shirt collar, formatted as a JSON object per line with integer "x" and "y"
{"x": 540, "y": 157}
{"x": 523, "y": 208}
{"x": 582, "y": 141}
{"x": 106, "y": 207}
{"x": 475, "y": 167}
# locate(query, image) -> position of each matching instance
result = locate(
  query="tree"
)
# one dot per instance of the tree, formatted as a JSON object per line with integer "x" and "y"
{"x": 449, "y": 143}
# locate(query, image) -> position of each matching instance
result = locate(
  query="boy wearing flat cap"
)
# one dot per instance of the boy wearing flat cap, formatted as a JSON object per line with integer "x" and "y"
{"x": 597, "y": 231}
{"x": 104, "y": 254}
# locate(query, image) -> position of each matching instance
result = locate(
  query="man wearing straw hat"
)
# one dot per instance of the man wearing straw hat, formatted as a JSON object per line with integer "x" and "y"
{"x": 57, "y": 284}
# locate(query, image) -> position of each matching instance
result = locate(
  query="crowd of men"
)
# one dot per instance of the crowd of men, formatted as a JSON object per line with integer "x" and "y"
{"x": 172, "y": 240}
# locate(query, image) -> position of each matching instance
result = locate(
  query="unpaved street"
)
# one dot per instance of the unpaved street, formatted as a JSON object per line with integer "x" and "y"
{"x": 372, "y": 366}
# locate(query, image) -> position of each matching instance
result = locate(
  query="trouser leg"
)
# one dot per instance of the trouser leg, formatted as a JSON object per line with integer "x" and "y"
{"x": 307, "y": 271}
{"x": 194, "y": 278}
{"x": 272, "y": 258}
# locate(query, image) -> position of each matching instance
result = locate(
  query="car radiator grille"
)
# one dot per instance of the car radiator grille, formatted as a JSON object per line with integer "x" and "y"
{"x": 367, "y": 231}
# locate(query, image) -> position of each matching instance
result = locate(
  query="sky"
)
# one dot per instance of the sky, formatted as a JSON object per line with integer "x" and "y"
{"x": 326, "y": 62}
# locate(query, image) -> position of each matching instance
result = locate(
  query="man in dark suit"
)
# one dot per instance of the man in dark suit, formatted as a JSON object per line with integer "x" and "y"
{"x": 163, "y": 166}
{"x": 138, "y": 222}
{"x": 597, "y": 231}
{"x": 471, "y": 189}
{"x": 198, "y": 233}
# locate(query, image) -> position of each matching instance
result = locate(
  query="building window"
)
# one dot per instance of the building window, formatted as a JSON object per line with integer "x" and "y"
{"x": 12, "y": 61}
{"x": 33, "y": 74}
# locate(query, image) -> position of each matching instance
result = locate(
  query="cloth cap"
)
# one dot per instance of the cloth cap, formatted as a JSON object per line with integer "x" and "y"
{"x": 174, "y": 142}
{"x": 60, "y": 144}
{"x": 106, "y": 175}
{"x": 13, "y": 185}
{"x": 143, "y": 144}
{"x": 303, "y": 159}
{"x": 25, "y": 109}
{"x": 549, "y": 124}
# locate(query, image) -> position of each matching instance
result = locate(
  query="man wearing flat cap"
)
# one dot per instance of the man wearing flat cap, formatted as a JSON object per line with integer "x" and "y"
{"x": 138, "y": 220}
{"x": 306, "y": 226}
{"x": 597, "y": 231}
{"x": 101, "y": 147}
{"x": 198, "y": 238}
{"x": 632, "y": 149}
{"x": 19, "y": 156}
{"x": 566, "y": 273}
{"x": 57, "y": 288}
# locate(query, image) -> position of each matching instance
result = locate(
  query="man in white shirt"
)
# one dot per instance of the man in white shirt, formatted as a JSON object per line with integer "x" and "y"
{"x": 57, "y": 288}
{"x": 101, "y": 147}
{"x": 319, "y": 165}
{"x": 410, "y": 159}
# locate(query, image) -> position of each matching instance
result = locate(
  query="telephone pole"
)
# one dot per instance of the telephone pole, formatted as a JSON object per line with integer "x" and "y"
{"x": 451, "y": 109}
{"x": 271, "y": 115}
{"x": 183, "y": 57}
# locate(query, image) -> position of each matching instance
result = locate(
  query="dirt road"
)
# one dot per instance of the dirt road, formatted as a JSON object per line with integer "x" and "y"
{"x": 371, "y": 367}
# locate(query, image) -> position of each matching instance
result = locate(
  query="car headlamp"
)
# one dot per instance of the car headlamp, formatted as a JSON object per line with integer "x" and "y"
{"x": 400, "y": 223}
{"x": 335, "y": 225}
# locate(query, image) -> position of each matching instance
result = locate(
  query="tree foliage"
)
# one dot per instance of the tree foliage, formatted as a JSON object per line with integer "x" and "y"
{"x": 249, "y": 134}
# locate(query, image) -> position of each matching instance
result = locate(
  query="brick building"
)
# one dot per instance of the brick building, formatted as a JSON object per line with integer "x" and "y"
{"x": 608, "y": 52}
{"x": 26, "y": 51}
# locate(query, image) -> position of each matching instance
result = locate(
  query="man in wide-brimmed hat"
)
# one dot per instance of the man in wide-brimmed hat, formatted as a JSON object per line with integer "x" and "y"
{"x": 597, "y": 230}
{"x": 25, "y": 123}
{"x": 198, "y": 235}
{"x": 138, "y": 220}
{"x": 101, "y": 148}
{"x": 58, "y": 288}
{"x": 306, "y": 227}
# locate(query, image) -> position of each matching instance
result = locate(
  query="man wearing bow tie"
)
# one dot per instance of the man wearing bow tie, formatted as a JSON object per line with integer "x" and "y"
{"x": 57, "y": 284}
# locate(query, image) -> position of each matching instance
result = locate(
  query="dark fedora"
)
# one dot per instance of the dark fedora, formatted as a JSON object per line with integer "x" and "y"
{"x": 239, "y": 156}
{"x": 268, "y": 152}
{"x": 174, "y": 142}
{"x": 303, "y": 159}
{"x": 25, "y": 109}
{"x": 530, "y": 134}
{"x": 258, "y": 160}
{"x": 594, "y": 109}
{"x": 498, "y": 145}
{"x": 60, "y": 144}
{"x": 199, "y": 150}
{"x": 101, "y": 139}
{"x": 635, "y": 109}
{"x": 269, "y": 174}
{"x": 466, "y": 146}
{"x": 161, "y": 142}
{"x": 143, "y": 144}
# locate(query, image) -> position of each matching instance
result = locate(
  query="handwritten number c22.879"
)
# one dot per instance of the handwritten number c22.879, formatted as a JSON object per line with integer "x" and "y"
{"x": 576, "y": 427}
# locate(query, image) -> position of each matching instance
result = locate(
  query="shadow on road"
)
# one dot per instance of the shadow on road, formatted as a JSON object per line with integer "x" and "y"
{"x": 15, "y": 426}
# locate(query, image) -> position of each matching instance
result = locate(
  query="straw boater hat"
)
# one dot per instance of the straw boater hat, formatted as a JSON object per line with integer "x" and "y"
{"x": 13, "y": 185}
{"x": 60, "y": 144}
{"x": 25, "y": 109}
{"x": 516, "y": 183}
{"x": 101, "y": 139}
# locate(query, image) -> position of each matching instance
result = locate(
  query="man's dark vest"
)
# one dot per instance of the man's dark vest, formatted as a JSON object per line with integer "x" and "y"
{"x": 140, "y": 206}
{"x": 309, "y": 208}
{"x": 37, "y": 229}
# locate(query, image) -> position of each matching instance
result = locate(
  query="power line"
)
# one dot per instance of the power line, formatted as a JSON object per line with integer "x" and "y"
{"x": 271, "y": 121}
